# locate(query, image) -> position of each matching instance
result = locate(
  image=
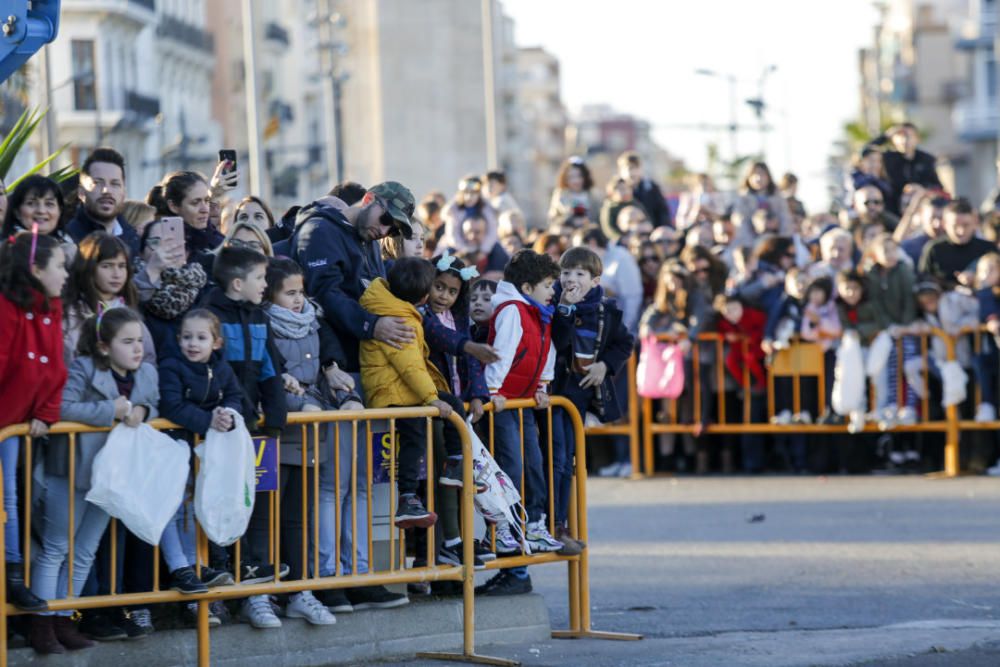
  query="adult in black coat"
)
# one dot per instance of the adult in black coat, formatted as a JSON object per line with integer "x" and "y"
{"x": 905, "y": 163}
{"x": 102, "y": 198}
{"x": 644, "y": 190}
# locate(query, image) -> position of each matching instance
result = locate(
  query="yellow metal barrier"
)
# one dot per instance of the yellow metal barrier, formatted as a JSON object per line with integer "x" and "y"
{"x": 629, "y": 426}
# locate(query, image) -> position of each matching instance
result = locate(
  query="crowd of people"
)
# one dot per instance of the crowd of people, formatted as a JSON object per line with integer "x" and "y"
{"x": 198, "y": 309}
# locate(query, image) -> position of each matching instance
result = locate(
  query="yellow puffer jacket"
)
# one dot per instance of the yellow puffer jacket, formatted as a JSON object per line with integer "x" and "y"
{"x": 396, "y": 377}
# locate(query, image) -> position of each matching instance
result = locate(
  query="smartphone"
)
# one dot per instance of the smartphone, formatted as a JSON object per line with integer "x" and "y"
{"x": 173, "y": 231}
{"x": 228, "y": 155}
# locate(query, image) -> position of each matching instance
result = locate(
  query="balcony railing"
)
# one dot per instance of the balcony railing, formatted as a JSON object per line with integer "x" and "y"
{"x": 143, "y": 106}
{"x": 975, "y": 120}
{"x": 185, "y": 33}
{"x": 275, "y": 32}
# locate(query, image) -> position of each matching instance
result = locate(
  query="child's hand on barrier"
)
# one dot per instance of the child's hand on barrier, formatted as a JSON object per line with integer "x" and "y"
{"x": 499, "y": 403}
{"x": 443, "y": 407}
{"x": 767, "y": 346}
{"x": 542, "y": 399}
{"x": 135, "y": 416}
{"x": 38, "y": 429}
{"x": 484, "y": 353}
{"x": 292, "y": 385}
{"x": 476, "y": 410}
{"x": 122, "y": 407}
{"x": 595, "y": 375}
{"x": 221, "y": 420}
{"x": 993, "y": 326}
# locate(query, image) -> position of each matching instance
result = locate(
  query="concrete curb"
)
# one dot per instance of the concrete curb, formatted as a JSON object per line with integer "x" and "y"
{"x": 357, "y": 637}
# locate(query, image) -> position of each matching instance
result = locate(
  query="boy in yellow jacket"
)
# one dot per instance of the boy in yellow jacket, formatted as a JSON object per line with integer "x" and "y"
{"x": 402, "y": 376}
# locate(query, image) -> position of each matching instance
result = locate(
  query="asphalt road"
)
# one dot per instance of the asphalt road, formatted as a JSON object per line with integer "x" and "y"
{"x": 776, "y": 571}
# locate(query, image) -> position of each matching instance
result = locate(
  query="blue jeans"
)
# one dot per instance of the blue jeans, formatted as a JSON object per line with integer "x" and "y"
{"x": 329, "y": 522}
{"x": 984, "y": 365}
{"x": 178, "y": 540}
{"x": 507, "y": 452}
{"x": 563, "y": 451}
{"x": 9, "y": 450}
{"x": 50, "y": 576}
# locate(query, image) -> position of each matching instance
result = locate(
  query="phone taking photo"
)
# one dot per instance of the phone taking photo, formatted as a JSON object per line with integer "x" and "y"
{"x": 228, "y": 155}
{"x": 172, "y": 231}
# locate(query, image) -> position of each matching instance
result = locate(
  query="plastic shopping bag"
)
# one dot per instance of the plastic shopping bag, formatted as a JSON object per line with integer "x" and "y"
{"x": 226, "y": 483}
{"x": 878, "y": 353}
{"x": 660, "y": 373}
{"x": 139, "y": 477}
{"x": 849, "y": 376}
{"x": 953, "y": 383}
{"x": 499, "y": 501}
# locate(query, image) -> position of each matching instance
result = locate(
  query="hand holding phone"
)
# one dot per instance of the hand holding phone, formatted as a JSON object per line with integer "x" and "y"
{"x": 227, "y": 175}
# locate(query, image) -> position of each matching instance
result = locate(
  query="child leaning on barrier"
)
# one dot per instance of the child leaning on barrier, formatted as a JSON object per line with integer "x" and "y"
{"x": 32, "y": 373}
{"x": 404, "y": 377}
{"x": 592, "y": 346}
{"x": 821, "y": 325}
{"x": 857, "y": 314}
{"x": 521, "y": 333}
{"x": 988, "y": 359}
{"x": 108, "y": 383}
{"x": 784, "y": 320}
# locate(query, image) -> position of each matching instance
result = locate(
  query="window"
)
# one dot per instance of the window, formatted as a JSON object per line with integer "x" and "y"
{"x": 84, "y": 88}
{"x": 991, "y": 77}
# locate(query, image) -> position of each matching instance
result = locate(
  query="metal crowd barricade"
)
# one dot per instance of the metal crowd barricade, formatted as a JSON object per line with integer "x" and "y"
{"x": 798, "y": 362}
{"x": 629, "y": 426}
{"x": 396, "y": 573}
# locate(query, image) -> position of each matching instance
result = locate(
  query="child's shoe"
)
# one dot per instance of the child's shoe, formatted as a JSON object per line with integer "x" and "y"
{"x": 305, "y": 605}
{"x": 802, "y": 418}
{"x": 906, "y": 416}
{"x": 887, "y": 418}
{"x": 856, "y": 421}
{"x": 412, "y": 513}
{"x": 783, "y": 418}
{"x": 452, "y": 555}
{"x": 539, "y": 538}
{"x": 986, "y": 413}
{"x": 452, "y": 474}
{"x": 506, "y": 543}
{"x": 257, "y": 612}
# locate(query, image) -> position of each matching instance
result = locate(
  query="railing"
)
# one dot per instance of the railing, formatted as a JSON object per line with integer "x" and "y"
{"x": 310, "y": 423}
{"x": 628, "y": 426}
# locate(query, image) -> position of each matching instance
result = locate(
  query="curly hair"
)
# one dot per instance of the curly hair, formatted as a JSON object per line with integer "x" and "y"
{"x": 528, "y": 266}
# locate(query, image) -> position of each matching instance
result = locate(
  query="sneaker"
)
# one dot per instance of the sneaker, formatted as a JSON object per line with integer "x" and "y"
{"x": 375, "y": 597}
{"x": 856, "y": 422}
{"x": 212, "y": 577}
{"x": 217, "y": 609}
{"x": 413, "y": 514}
{"x": 482, "y": 551}
{"x": 590, "y": 420}
{"x": 506, "y": 543}
{"x": 887, "y": 418}
{"x": 124, "y": 619}
{"x": 994, "y": 471}
{"x": 986, "y": 413}
{"x": 625, "y": 471}
{"x": 258, "y": 613}
{"x": 452, "y": 473}
{"x": 906, "y": 416}
{"x": 99, "y": 625}
{"x": 304, "y": 605}
{"x": 260, "y": 573}
{"x": 538, "y": 536}
{"x": 143, "y": 620}
{"x": 912, "y": 456}
{"x": 335, "y": 600}
{"x": 453, "y": 556}
{"x": 830, "y": 418}
{"x": 610, "y": 470}
{"x": 505, "y": 583}
{"x": 783, "y": 418}
{"x": 184, "y": 580}
{"x": 191, "y": 615}
{"x": 802, "y": 418}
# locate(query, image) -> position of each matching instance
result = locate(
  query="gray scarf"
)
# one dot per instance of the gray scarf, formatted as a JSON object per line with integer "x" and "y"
{"x": 289, "y": 324}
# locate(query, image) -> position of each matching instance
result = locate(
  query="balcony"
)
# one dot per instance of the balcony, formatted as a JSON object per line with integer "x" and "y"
{"x": 275, "y": 33}
{"x": 148, "y": 4}
{"x": 185, "y": 33}
{"x": 141, "y": 105}
{"x": 978, "y": 32}
{"x": 976, "y": 120}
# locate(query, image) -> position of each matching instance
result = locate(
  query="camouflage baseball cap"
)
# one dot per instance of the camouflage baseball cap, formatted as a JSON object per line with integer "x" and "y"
{"x": 399, "y": 203}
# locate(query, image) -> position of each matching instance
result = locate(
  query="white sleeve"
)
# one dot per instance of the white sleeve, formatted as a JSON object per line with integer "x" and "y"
{"x": 549, "y": 372}
{"x": 508, "y": 336}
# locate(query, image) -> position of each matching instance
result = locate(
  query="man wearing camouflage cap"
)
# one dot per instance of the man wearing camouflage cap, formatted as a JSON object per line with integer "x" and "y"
{"x": 337, "y": 247}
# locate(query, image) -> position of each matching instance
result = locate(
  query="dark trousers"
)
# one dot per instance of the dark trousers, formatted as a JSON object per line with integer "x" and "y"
{"x": 293, "y": 530}
{"x": 413, "y": 443}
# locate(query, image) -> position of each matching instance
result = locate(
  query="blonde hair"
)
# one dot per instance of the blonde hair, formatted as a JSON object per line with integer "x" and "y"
{"x": 265, "y": 242}
{"x": 392, "y": 246}
{"x": 134, "y": 211}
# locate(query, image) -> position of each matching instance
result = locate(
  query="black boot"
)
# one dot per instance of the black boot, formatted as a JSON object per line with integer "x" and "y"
{"x": 20, "y": 595}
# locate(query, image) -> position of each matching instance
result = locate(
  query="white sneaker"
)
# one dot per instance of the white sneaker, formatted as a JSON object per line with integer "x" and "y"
{"x": 612, "y": 470}
{"x": 802, "y": 418}
{"x": 538, "y": 537}
{"x": 506, "y": 542}
{"x": 591, "y": 420}
{"x": 907, "y": 416}
{"x": 258, "y": 613}
{"x": 986, "y": 413}
{"x": 783, "y": 418}
{"x": 887, "y": 418}
{"x": 625, "y": 470}
{"x": 305, "y": 605}
{"x": 856, "y": 421}
{"x": 994, "y": 471}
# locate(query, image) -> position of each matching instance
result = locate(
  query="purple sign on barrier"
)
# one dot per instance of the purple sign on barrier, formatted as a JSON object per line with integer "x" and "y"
{"x": 267, "y": 463}
{"x": 380, "y": 444}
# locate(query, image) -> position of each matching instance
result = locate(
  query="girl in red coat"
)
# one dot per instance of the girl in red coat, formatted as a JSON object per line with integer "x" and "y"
{"x": 32, "y": 372}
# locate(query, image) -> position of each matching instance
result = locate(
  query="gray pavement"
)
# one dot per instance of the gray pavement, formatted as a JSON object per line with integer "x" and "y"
{"x": 898, "y": 571}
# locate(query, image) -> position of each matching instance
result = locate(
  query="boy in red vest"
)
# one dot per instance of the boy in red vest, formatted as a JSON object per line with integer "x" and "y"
{"x": 521, "y": 333}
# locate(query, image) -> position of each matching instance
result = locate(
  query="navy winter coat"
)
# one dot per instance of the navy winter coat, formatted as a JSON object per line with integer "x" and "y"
{"x": 82, "y": 225}
{"x": 189, "y": 391}
{"x": 446, "y": 344}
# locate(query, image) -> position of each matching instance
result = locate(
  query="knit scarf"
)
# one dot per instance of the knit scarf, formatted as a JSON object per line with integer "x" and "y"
{"x": 289, "y": 324}
{"x": 545, "y": 312}
{"x": 202, "y": 240}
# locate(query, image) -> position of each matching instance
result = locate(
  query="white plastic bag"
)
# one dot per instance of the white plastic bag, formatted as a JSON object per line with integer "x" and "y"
{"x": 849, "y": 376}
{"x": 953, "y": 383}
{"x": 226, "y": 484}
{"x": 139, "y": 477}
{"x": 499, "y": 501}
{"x": 878, "y": 353}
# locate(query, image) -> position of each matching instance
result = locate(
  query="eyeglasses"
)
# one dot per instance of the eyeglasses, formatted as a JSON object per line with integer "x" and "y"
{"x": 249, "y": 245}
{"x": 153, "y": 241}
{"x": 874, "y": 202}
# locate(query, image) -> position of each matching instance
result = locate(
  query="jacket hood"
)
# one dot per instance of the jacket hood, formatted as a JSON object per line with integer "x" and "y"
{"x": 329, "y": 208}
{"x": 506, "y": 292}
{"x": 379, "y": 300}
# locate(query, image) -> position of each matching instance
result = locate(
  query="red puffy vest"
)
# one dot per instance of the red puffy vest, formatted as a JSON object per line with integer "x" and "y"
{"x": 533, "y": 349}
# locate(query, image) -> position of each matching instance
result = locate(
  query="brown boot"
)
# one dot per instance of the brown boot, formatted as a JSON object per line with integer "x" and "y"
{"x": 68, "y": 634}
{"x": 571, "y": 546}
{"x": 42, "y": 637}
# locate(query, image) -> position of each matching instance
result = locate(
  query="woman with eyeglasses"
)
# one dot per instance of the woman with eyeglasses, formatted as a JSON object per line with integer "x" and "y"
{"x": 572, "y": 195}
{"x": 759, "y": 191}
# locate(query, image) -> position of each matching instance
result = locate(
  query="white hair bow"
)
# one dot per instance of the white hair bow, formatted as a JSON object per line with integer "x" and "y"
{"x": 447, "y": 259}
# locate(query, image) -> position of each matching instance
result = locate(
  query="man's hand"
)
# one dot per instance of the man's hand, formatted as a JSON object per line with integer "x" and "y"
{"x": 394, "y": 331}
{"x": 136, "y": 416}
{"x": 38, "y": 429}
{"x": 443, "y": 407}
{"x": 476, "y": 410}
{"x": 222, "y": 420}
{"x": 484, "y": 353}
{"x": 595, "y": 375}
{"x": 292, "y": 385}
{"x": 499, "y": 403}
{"x": 542, "y": 399}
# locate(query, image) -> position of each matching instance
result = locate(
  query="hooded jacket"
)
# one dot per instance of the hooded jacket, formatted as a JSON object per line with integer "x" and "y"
{"x": 190, "y": 391}
{"x": 524, "y": 344}
{"x": 255, "y": 360}
{"x": 391, "y": 376}
{"x": 338, "y": 268}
